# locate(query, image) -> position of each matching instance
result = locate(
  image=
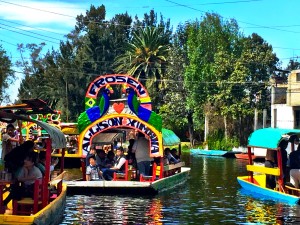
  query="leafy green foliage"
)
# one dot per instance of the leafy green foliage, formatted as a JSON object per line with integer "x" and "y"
{"x": 217, "y": 141}
{"x": 6, "y": 75}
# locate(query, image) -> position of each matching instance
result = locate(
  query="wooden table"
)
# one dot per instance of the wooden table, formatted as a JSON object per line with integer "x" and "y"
{"x": 3, "y": 184}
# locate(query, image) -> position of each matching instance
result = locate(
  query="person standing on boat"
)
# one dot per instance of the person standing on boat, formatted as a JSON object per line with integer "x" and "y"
{"x": 141, "y": 150}
{"x": 295, "y": 167}
{"x": 119, "y": 165}
{"x": 9, "y": 141}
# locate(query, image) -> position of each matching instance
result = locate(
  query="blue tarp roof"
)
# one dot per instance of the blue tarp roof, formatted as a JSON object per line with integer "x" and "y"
{"x": 270, "y": 137}
{"x": 169, "y": 138}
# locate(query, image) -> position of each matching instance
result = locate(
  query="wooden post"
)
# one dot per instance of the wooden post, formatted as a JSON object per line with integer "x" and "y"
{"x": 47, "y": 172}
{"x": 250, "y": 162}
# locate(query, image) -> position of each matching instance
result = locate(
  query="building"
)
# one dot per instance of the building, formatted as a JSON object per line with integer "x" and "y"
{"x": 285, "y": 102}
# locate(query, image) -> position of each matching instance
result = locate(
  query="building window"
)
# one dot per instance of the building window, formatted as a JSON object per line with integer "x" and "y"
{"x": 297, "y": 76}
{"x": 297, "y": 119}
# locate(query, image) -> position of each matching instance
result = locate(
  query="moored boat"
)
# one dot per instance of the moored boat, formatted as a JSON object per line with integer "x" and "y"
{"x": 256, "y": 181}
{"x": 245, "y": 156}
{"x": 213, "y": 152}
{"x": 106, "y": 120}
{"x": 46, "y": 207}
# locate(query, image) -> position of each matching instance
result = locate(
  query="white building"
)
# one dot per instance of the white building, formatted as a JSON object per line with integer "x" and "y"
{"x": 285, "y": 103}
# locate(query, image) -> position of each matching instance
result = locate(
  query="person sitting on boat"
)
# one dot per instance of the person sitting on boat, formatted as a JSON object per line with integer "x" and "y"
{"x": 170, "y": 157}
{"x": 92, "y": 152}
{"x": 41, "y": 162}
{"x": 92, "y": 170}
{"x": 25, "y": 177}
{"x": 295, "y": 167}
{"x": 271, "y": 162}
{"x": 100, "y": 158}
{"x": 110, "y": 160}
{"x": 174, "y": 154}
{"x": 119, "y": 165}
{"x": 141, "y": 150}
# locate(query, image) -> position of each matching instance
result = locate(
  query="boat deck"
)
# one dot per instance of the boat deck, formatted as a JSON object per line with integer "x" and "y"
{"x": 127, "y": 187}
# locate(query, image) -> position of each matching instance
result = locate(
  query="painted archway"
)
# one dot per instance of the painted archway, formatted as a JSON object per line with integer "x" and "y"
{"x": 119, "y": 79}
{"x": 137, "y": 114}
{"x": 119, "y": 121}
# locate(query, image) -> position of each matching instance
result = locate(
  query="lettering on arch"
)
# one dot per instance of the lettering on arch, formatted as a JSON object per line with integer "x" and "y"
{"x": 121, "y": 122}
{"x": 102, "y": 81}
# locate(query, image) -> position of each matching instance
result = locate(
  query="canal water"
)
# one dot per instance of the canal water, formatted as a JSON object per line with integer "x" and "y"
{"x": 211, "y": 196}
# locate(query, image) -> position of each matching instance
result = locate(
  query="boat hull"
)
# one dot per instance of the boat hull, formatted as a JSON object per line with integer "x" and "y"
{"x": 52, "y": 214}
{"x": 245, "y": 156}
{"x": 213, "y": 152}
{"x": 128, "y": 187}
{"x": 259, "y": 188}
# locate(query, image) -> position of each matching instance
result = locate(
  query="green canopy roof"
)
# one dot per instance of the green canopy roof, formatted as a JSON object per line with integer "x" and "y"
{"x": 169, "y": 138}
{"x": 270, "y": 137}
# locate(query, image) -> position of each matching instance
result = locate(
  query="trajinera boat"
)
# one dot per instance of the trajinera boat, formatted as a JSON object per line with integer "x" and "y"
{"x": 122, "y": 108}
{"x": 48, "y": 203}
{"x": 255, "y": 182}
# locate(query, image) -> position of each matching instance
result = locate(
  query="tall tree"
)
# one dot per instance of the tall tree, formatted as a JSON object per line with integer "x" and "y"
{"x": 226, "y": 70}
{"x": 6, "y": 76}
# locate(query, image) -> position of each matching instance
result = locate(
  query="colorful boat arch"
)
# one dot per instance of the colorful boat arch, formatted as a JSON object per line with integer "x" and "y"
{"x": 134, "y": 112}
{"x": 122, "y": 121}
{"x": 119, "y": 79}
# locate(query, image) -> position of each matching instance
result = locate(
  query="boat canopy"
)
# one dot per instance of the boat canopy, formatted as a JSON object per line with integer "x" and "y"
{"x": 107, "y": 138}
{"x": 169, "y": 138}
{"x": 58, "y": 138}
{"x": 270, "y": 137}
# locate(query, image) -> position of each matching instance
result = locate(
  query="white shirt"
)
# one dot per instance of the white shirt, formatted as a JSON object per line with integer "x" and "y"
{"x": 141, "y": 150}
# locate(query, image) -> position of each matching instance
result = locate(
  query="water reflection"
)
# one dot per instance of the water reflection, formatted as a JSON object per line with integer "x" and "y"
{"x": 211, "y": 196}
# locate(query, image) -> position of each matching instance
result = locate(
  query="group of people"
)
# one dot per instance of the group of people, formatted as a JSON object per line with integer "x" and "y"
{"x": 290, "y": 164}
{"x": 23, "y": 163}
{"x": 102, "y": 166}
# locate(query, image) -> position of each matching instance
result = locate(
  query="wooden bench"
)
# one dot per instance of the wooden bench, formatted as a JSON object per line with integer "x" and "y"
{"x": 173, "y": 168}
{"x": 264, "y": 170}
{"x": 27, "y": 206}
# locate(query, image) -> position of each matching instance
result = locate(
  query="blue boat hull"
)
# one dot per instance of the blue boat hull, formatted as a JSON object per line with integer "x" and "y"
{"x": 266, "y": 192}
{"x": 209, "y": 152}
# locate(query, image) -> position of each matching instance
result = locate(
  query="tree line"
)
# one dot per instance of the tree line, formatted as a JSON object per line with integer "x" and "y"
{"x": 203, "y": 73}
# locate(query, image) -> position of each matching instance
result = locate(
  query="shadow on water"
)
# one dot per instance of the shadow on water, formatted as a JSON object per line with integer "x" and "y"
{"x": 211, "y": 196}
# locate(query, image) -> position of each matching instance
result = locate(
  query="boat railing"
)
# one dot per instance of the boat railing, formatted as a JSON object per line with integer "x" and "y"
{"x": 292, "y": 190}
{"x": 171, "y": 169}
{"x": 263, "y": 169}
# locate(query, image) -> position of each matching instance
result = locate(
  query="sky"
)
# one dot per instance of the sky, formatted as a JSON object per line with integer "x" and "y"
{"x": 36, "y": 21}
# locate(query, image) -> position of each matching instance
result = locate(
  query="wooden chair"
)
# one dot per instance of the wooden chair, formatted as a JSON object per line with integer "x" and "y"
{"x": 122, "y": 175}
{"x": 149, "y": 178}
{"x": 27, "y": 206}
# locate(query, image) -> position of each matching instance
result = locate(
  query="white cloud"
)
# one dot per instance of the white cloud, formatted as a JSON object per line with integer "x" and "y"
{"x": 38, "y": 12}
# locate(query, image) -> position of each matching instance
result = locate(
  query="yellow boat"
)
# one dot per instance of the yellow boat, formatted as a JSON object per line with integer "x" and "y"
{"x": 45, "y": 207}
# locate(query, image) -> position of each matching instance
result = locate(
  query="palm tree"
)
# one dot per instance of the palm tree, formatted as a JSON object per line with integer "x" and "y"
{"x": 145, "y": 56}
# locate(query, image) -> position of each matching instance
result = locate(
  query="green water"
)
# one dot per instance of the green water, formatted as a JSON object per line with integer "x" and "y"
{"x": 211, "y": 196}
